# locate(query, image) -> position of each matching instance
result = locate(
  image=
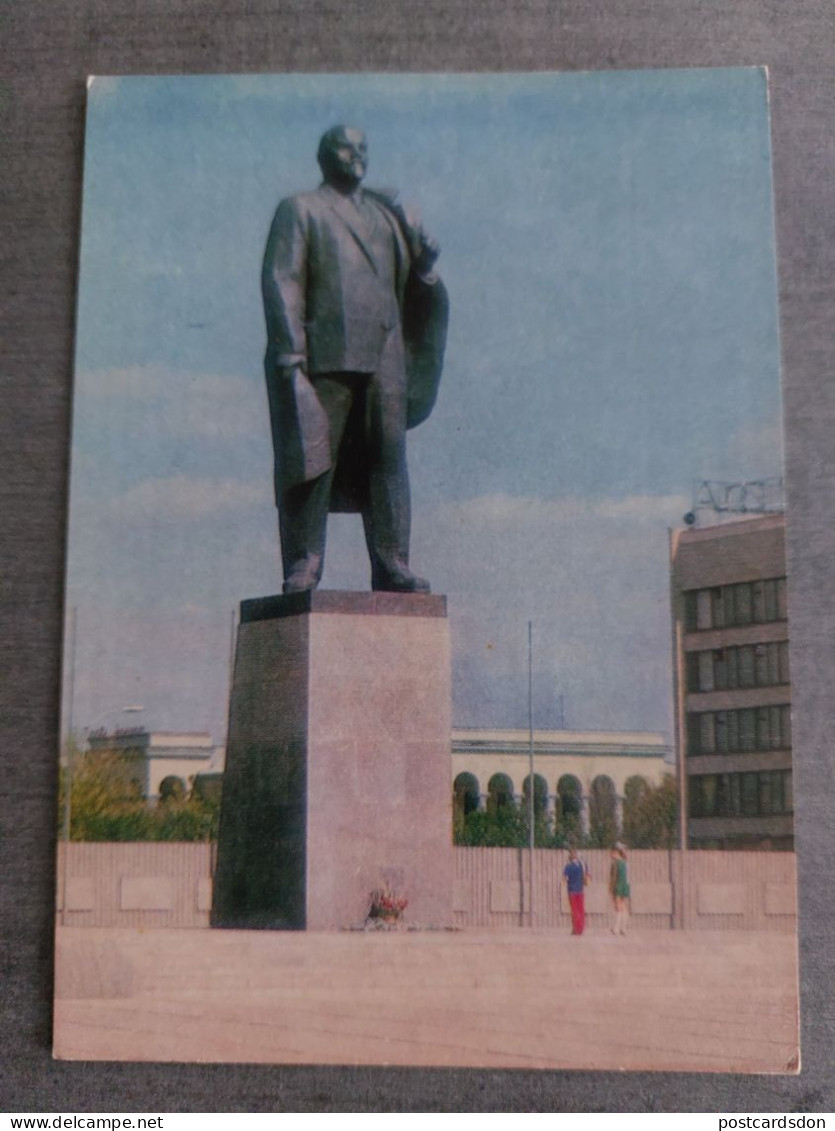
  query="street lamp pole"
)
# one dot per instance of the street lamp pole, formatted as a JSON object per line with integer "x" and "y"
{"x": 531, "y": 807}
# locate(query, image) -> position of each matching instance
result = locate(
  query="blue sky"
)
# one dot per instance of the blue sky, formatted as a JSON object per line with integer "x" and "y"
{"x": 607, "y": 243}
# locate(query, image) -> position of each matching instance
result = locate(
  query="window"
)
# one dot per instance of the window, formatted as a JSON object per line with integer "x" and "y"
{"x": 704, "y": 609}
{"x": 723, "y": 795}
{"x": 736, "y": 795}
{"x": 747, "y": 602}
{"x": 749, "y": 795}
{"x": 749, "y": 665}
{"x": 770, "y": 600}
{"x": 783, "y": 661}
{"x": 746, "y": 666}
{"x": 540, "y": 793}
{"x": 569, "y": 792}
{"x": 721, "y": 601}
{"x": 465, "y": 794}
{"x": 691, "y": 616}
{"x": 742, "y": 604}
{"x": 758, "y": 602}
{"x": 707, "y": 671}
{"x": 499, "y": 792}
{"x": 693, "y": 665}
{"x": 747, "y": 729}
{"x": 721, "y": 724}
{"x": 788, "y": 796}
{"x": 740, "y": 731}
{"x": 782, "y": 599}
{"x": 786, "y": 726}
{"x": 763, "y": 794}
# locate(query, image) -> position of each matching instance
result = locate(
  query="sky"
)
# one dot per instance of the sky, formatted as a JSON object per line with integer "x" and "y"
{"x": 608, "y": 248}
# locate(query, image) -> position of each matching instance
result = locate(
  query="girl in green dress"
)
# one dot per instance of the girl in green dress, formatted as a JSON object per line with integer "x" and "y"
{"x": 619, "y": 890}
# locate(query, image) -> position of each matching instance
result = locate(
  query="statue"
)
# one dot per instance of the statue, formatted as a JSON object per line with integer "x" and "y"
{"x": 356, "y": 325}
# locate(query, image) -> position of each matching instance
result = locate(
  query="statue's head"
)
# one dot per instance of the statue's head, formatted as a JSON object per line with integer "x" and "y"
{"x": 343, "y": 157}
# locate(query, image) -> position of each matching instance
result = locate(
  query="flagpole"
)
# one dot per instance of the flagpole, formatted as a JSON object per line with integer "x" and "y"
{"x": 531, "y": 808}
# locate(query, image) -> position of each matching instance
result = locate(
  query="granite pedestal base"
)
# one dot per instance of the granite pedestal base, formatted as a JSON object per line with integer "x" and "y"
{"x": 338, "y": 768}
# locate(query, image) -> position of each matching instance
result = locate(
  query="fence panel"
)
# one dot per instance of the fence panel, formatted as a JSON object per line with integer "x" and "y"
{"x": 158, "y": 884}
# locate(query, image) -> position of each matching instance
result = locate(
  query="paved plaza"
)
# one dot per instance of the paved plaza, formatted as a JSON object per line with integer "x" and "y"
{"x": 699, "y": 1000}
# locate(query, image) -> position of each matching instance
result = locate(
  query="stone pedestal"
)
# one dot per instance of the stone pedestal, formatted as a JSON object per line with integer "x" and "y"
{"x": 338, "y": 764}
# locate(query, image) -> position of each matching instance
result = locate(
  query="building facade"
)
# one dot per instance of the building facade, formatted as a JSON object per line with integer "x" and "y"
{"x": 152, "y": 756}
{"x": 732, "y": 683}
{"x": 590, "y": 775}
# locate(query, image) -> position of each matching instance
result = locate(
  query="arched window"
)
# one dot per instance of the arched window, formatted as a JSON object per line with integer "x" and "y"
{"x": 499, "y": 791}
{"x": 540, "y": 793}
{"x": 602, "y": 812}
{"x": 465, "y": 794}
{"x": 172, "y": 788}
{"x": 635, "y": 791}
{"x": 569, "y": 794}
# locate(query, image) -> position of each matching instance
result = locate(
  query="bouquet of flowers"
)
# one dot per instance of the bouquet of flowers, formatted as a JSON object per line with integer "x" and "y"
{"x": 386, "y": 905}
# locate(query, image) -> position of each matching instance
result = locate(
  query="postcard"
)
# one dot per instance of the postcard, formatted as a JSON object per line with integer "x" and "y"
{"x": 426, "y": 677}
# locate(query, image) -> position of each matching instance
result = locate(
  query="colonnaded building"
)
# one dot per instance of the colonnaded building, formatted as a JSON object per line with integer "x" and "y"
{"x": 586, "y": 775}
{"x": 154, "y": 757}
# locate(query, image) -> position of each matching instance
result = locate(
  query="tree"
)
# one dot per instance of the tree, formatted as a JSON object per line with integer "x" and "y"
{"x": 506, "y": 826}
{"x": 108, "y": 803}
{"x": 106, "y": 798}
{"x": 650, "y": 817}
{"x": 497, "y": 826}
{"x": 602, "y": 820}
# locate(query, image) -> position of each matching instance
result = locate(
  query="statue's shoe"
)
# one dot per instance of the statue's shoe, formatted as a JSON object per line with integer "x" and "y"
{"x": 400, "y": 581}
{"x": 300, "y": 582}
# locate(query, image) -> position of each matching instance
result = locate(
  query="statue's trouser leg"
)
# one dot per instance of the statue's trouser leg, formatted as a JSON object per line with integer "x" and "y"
{"x": 303, "y": 510}
{"x": 387, "y": 521}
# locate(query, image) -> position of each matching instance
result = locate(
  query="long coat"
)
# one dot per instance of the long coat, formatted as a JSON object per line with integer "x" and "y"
{"x": 326, "y": 305}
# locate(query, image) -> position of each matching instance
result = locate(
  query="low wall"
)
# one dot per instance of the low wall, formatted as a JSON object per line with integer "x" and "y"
{"x": 134, "y": 884}
{"x": 702, "y": 890}
{"x": 169, "y": 885}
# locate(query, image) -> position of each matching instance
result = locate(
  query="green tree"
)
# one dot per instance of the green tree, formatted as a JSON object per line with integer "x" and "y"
{"x": 650, "y": 818}
{"x": 602, "y": 822}
{"x": 106, "y": 798}
{"x": 108, "y": 803}
{"x": 505, "y": 826}
{"x": 499, "y": 826}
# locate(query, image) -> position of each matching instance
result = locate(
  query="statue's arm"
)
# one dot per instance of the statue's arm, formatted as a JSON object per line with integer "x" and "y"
{"x": 423, "y": 248}
{"x": 284, "y": 284}
{"x": 424, "y": 262}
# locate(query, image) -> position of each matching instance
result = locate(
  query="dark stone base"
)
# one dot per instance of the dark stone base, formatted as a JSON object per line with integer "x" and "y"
{"x": 338, "y": 762}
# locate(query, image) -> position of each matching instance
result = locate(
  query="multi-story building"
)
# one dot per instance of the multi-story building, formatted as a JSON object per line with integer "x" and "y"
{"x": 733, "y": 691}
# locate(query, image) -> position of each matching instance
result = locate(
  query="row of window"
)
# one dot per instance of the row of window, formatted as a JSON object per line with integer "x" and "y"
{"x": 750, "y": 665}
{"x": 764, "y": 794}
{"x": 740, "y": 731}
{"x": 568, "y": 799}
{"x": 466, "y": 794}
{"x": 724, "y": 606}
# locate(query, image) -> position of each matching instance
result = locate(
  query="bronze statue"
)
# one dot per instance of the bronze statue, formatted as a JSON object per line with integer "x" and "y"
{"x": 356, "y": 326}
